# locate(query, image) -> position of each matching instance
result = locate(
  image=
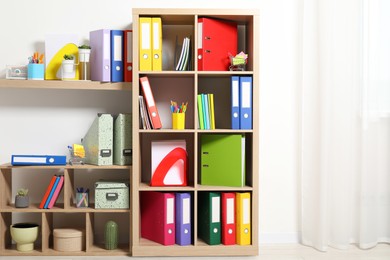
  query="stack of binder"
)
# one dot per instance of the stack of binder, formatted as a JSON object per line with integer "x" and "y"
{"x": 150, "y": 46}
{"x": 111, "y": 55}
{"x": 224, "y": 217}
{"x": 166, "y": 218}
{"x": 242, "y": 100}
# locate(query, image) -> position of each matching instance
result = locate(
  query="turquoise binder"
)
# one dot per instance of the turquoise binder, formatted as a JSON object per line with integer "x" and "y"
{"x": 98, "y": 142}
{"x": 123, "y": 139}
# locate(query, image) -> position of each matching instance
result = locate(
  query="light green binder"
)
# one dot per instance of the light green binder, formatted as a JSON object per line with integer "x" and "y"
{"x": 223, "y": 160}
{"x": 98, "y": 141}
{"x": 123, "y": 139}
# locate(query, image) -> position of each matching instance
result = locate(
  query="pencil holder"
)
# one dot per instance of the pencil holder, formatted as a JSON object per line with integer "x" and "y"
{"x": 82, "y": 199}
{"x": 35, "y": 71}
{"x": 178, "y": 120}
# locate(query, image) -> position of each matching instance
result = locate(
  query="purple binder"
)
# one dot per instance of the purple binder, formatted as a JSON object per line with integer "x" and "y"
{"x": 183, "y": 219}
{"x": 100, "y": 41}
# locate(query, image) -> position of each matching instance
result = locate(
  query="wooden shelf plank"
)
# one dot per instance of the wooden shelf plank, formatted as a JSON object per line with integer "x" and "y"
{"x": 60, "y": 84}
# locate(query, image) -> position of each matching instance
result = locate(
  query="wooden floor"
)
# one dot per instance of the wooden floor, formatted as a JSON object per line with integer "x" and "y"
{"x": 267, "y": 252}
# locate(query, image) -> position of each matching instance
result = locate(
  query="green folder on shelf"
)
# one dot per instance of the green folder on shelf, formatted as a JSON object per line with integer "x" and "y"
{"x": 123, "y": 139}
{"x": 223, "y": 160}
{"x": 98, "y": 142}
{"x": 209, "y": 217}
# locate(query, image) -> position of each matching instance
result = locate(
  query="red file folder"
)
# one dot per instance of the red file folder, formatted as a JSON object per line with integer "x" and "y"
{"x": 228, "y": 224}
{"x": 158, "y": 217}
{"x": 128, "y": 56}
{"x": 150, "y": 104}
{"x": 216, "y": 39}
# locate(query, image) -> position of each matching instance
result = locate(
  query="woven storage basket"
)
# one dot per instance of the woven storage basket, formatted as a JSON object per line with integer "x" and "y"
{"x": 68, "y": 239}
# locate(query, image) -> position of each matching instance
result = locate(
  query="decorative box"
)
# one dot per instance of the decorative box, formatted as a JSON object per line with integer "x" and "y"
{"x": 68, "y": 239}
{"x": 112, "y": 195}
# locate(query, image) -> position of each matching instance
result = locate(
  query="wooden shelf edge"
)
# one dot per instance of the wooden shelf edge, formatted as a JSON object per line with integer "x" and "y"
{"x": 68, "y": 166}
{"x": 60, "y": 84}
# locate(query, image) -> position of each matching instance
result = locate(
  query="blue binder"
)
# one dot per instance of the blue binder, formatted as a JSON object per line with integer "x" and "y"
{"x": 38, "y": 160}
{"x": 116, "y": 56}
{"x": 246, "y": 102}
{"x": 235, "y": 98}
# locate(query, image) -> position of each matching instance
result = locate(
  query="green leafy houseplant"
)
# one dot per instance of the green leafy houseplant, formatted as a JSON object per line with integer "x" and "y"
{"x": 68, "y": 57}
{"x": 22, "y": 199}
{"x": 84, "y": 46}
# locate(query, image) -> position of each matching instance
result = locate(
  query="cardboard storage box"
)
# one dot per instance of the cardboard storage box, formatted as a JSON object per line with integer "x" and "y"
{"x": 68, "y": 239}
{"x": 112, "y": 195}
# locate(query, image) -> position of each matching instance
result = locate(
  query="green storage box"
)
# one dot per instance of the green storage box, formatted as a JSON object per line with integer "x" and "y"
{"x": 112, "y": 195}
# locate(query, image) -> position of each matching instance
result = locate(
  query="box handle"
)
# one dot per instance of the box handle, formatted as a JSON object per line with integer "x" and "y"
{"x": 112, "y": 196}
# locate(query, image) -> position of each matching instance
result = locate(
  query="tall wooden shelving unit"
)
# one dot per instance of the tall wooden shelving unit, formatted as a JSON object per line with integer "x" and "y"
{"x": 81, "y": 218}
{"x": 169, "y": 84}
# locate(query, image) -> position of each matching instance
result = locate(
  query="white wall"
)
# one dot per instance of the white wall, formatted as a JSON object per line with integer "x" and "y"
{"x": 46, "y": 121}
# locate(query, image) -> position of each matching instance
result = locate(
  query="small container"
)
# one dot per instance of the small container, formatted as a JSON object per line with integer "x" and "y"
{"x": 82, "y": 199}
{"x": 35, "y": 71}
{"x": 178, "y": 121}
{"x": 68, "y": 239}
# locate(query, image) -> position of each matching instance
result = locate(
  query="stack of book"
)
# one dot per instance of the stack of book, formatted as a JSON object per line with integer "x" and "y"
{"x": 52, "y": 192}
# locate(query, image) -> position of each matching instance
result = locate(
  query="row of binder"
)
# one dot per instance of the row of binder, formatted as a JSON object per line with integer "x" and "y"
{"x": 52, "y": 192}
{"x": 241, "y": 101}
{"x": 111, "y": 55}
{"x": 109, "y": 140}
{"x": 206, "y": 114}
{"x": 223, "y": 217}
{"x": 150, "y": 46}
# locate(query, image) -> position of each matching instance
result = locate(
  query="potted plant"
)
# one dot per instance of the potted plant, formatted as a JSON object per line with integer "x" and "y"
{"x": 84, "y": 54}
{"x": 68, "y": 67}
{"x": 22, "y": 198}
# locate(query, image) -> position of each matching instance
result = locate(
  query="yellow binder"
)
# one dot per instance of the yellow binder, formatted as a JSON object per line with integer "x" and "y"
{"x": 145, "y": 44}
{"x": 156, "y": 44}
{"x": 243, "y": 210}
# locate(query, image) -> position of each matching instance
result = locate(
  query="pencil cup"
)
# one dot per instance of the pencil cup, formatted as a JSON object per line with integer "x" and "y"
{"x": 35, "y": 71}
{"x": 178, "y": 120}
{"x": 82, "y": 199}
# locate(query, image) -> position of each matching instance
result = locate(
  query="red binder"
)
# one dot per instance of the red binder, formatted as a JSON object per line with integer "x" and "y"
{"x": 150, "y": 104}
{"x": 228, "y": 224}
{"x": 47, "y": 193}
{"x": 128, "y": 56}
{"x": 158, "y": 217}
{"x": 216, "y": 39}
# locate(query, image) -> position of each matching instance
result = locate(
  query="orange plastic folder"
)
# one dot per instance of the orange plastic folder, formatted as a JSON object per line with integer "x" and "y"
{"x": 158, "y": 217}
{"x": 216, "y": 39}
{"x": 150, "y": 103}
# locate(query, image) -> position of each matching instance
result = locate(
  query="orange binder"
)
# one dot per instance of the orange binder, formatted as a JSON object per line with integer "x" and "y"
{"x": 128, "y": 56}
{"x": 47, "y": 193}
{"x": 228, "y": 224}
{"x": 216, "y": 39}
{"x": 150, "y": 104}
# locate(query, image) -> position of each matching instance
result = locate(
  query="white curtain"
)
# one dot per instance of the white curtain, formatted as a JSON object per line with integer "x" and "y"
{"x": 345, "y": 124}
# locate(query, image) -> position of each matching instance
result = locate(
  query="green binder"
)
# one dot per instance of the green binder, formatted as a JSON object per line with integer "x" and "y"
{"x": 123, "y": 139}
{"x": 209, "y": 217}
{"x": 98, "y": 141}
{"x": 223, "y": 160}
